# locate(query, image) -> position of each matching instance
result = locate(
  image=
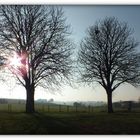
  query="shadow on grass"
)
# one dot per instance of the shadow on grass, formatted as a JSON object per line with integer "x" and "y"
{"x": 69, "y": 123}
{"x": 54, "y": 125}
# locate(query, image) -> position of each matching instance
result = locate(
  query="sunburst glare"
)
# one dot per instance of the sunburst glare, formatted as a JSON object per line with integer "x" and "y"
{"x": 15, "y": 61}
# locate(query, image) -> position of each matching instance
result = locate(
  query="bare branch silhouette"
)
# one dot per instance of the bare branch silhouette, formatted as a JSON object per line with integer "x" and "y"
{"x": 38, "y": 36}
{"x": 108, "y": 56}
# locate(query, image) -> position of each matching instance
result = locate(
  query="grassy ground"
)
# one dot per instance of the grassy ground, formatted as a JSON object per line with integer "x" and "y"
{"x": 70, "y": 123}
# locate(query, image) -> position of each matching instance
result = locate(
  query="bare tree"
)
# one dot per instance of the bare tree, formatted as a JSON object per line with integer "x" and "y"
{"x": 108, "y": 56}
{"x": 35, "y": 40}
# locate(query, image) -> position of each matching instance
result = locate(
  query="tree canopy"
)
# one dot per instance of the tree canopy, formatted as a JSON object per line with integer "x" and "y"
{"x": 35, "y": 42}
{"x": 108, "y": 55}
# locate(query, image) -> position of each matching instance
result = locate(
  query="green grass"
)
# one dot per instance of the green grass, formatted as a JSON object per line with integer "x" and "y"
{"x": 56, "y": 121}
{"x": 70, "y": 123}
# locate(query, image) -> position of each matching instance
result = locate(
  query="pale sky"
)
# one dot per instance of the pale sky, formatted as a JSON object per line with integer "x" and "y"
{"x": 80, "y": 18}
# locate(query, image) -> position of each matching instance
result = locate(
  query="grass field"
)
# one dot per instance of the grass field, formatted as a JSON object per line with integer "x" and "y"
{"x": 70, "y": 123}
{"x": 56, "y": 119}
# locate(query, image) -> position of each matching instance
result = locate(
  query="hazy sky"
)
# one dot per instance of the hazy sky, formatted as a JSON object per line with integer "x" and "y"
{"x": 80, "y": 18}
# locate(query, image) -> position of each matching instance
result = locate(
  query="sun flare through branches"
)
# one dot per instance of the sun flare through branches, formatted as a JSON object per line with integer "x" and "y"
{"x": 17, "y": 64}
{"x": 15, "y": 61}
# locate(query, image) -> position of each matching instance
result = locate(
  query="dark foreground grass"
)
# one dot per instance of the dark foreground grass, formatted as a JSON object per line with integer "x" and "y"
{"x": 69, "y": 123}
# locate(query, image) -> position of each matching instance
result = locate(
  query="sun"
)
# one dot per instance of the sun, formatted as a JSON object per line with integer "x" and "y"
{"x": 15, "y": 61}
{"x": 18, "y": 64}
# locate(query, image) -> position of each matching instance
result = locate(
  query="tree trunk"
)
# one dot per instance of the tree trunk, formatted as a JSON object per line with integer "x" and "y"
{"x": 109, "y": 101}
{"x": 30, "y": 100}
